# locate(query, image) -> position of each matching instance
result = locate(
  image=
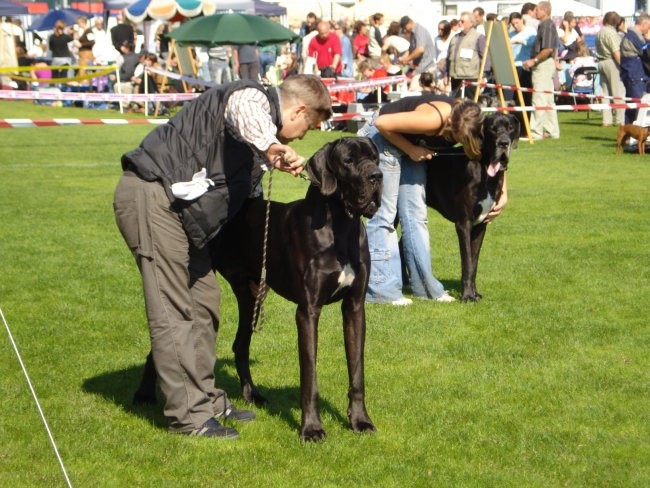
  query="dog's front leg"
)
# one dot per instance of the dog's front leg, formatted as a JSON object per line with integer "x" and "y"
{"x": 468, "y": 268}
{"x": 477, "y": 233}
{"x": 354, "y": 332}
{"x": 311, "y": 428}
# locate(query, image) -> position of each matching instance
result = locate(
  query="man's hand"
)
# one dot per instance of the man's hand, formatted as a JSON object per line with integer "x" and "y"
{"x": 285, "y": 159}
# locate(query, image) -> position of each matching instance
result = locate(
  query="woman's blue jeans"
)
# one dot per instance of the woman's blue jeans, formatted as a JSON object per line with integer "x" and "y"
{"x": 403, "y": 195}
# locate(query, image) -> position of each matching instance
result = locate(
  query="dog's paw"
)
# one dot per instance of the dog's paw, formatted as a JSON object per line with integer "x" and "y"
{"x": 252, "y": 395}
{"x": 363, "y": 425}
{"x": 471, "y": 297}
{"x": 312, "y": 434}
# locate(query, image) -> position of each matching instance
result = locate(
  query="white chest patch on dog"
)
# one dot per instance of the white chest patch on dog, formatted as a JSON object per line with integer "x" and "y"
{"x": 486, "y": 205}
{"x": 345, "y": 278}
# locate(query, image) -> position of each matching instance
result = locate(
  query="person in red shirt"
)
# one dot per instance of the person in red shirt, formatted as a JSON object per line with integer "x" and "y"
{"x": 370, "y": 71}
{"x": 326, "y": 48}
{"x": 361, "y": 41}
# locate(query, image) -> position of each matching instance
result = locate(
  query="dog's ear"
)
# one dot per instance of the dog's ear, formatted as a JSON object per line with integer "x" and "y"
{"x": 516, "y": 130}
{"x": 319, "y": 172}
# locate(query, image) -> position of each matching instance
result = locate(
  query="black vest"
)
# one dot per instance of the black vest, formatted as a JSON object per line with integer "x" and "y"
{"x": 197, "y": 138}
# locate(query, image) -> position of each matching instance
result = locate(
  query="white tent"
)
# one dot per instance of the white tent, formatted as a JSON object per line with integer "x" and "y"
{"x": 558, "y": 7}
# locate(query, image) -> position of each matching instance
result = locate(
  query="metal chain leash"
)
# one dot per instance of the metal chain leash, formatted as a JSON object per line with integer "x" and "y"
{"x": 262, "y": 287}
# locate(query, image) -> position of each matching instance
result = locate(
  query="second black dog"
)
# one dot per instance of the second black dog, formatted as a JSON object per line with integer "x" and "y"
{"x": 465, "y": 191}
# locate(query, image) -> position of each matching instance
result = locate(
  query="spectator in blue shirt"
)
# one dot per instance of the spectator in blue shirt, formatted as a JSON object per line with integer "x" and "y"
{"x": 522, "y": 38}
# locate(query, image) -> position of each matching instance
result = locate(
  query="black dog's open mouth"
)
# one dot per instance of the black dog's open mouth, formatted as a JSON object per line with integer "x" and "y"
{"x": 500, "y": 163}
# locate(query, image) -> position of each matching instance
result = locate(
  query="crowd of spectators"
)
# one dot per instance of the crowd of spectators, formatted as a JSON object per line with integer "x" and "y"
{"x": 546, "y": 54}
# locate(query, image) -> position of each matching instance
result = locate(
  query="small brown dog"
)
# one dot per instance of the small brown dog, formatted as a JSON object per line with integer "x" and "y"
{"x": 631, "y": 130}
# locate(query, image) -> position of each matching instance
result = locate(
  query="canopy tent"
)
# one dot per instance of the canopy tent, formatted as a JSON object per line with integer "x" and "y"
{"x": 117, "y": 4}
{"x": 47, "y": 21}
{"x": 558, "y": 7}
{"x": 268, "y": 9}
{"x": 231, "y": 28}
{"x": 253, "y": 7}
{"x": 8, "y": 9}
{"x": 172, "y": 10}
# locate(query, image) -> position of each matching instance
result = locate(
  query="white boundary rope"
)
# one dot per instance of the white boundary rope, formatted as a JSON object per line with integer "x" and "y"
{"x": 551, "y": 92}
{"x": 38, "y": 404}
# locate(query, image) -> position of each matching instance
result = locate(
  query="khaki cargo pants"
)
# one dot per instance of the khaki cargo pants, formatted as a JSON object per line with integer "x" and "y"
{"x": 181, "y": 297}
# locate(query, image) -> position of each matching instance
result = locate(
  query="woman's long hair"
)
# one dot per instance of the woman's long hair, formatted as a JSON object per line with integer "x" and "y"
{"x": 465, "y": 126}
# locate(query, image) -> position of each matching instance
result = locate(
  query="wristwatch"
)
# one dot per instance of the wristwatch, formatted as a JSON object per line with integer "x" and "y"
{"x": 535, "y": 61}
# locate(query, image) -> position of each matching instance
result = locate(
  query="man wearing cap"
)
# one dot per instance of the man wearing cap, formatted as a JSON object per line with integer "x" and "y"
{"x": 421, "y": 53}
{"x": 466, "y": 52}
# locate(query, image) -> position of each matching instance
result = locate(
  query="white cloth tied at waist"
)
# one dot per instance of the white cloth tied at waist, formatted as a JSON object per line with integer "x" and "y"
{"x": 191, "y": 190}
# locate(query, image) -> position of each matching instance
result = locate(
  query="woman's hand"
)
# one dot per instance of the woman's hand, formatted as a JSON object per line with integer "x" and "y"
{"x": 503, "y": 199}
{"x": 419, "y": 153}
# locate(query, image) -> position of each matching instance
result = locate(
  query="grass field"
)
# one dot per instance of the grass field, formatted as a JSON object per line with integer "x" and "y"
{"x": 545, "y": 382}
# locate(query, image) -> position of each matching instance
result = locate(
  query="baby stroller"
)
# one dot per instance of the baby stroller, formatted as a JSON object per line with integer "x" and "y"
{"x": 583, "y": 82}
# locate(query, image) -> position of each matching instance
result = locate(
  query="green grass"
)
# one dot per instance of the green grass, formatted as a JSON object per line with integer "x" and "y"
{"x": 545, "y": 382}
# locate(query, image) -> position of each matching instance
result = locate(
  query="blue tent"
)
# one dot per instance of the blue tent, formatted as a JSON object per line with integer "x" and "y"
{"x": 268, "y": 9}
{"x": 68, "y": 15}
{"x": 117, "y": 4}
{"x": 8, "y": 9}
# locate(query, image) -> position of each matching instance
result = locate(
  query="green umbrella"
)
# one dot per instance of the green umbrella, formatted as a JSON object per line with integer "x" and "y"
{"x": 219, "y": 29}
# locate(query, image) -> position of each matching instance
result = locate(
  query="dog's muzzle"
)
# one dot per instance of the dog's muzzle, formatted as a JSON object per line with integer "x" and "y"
{"x": 370, "y": 203}
{"x": 501, "y": 157}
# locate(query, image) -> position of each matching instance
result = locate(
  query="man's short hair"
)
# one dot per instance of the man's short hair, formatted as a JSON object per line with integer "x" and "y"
{"x": 545, "y": 7}
{"x": 310, "y": 90}
{"x": 403, "y": 22}
{"x": 527, "y": 7}
{"x": 642, "y": 18}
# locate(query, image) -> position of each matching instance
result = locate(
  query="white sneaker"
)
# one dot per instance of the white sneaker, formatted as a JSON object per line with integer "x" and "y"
{"x": 402, "y": 302}
{"x": 445, "y": 298}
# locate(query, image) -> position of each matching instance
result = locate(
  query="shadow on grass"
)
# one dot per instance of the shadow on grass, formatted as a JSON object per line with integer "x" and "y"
{"x": 120, "y": 385}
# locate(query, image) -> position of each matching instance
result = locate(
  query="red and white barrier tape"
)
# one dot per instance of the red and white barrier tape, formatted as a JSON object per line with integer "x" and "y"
{"x": 548, "y": 92}
{"x": 355, "y": 85}
{"x": 22, "y": 123}
{"x": 165, "y": 97}
{"x": 569, "y": 108}
{"x": 96, "y": 97}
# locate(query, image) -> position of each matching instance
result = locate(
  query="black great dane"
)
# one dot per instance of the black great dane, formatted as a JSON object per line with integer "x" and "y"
{"x": 317, "y": 254}
{"x": 465, "y": 191}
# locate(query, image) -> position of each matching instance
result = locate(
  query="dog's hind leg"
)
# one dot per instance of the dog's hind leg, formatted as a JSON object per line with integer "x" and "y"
{"x": 354, "y": 331}
{"x": 146, "y": 392}
{"x": 241, "y": 344}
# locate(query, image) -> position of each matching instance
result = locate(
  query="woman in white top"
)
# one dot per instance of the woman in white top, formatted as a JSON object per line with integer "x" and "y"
{"x": 441, "y": 43}
{"x": 394, "y": 44}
